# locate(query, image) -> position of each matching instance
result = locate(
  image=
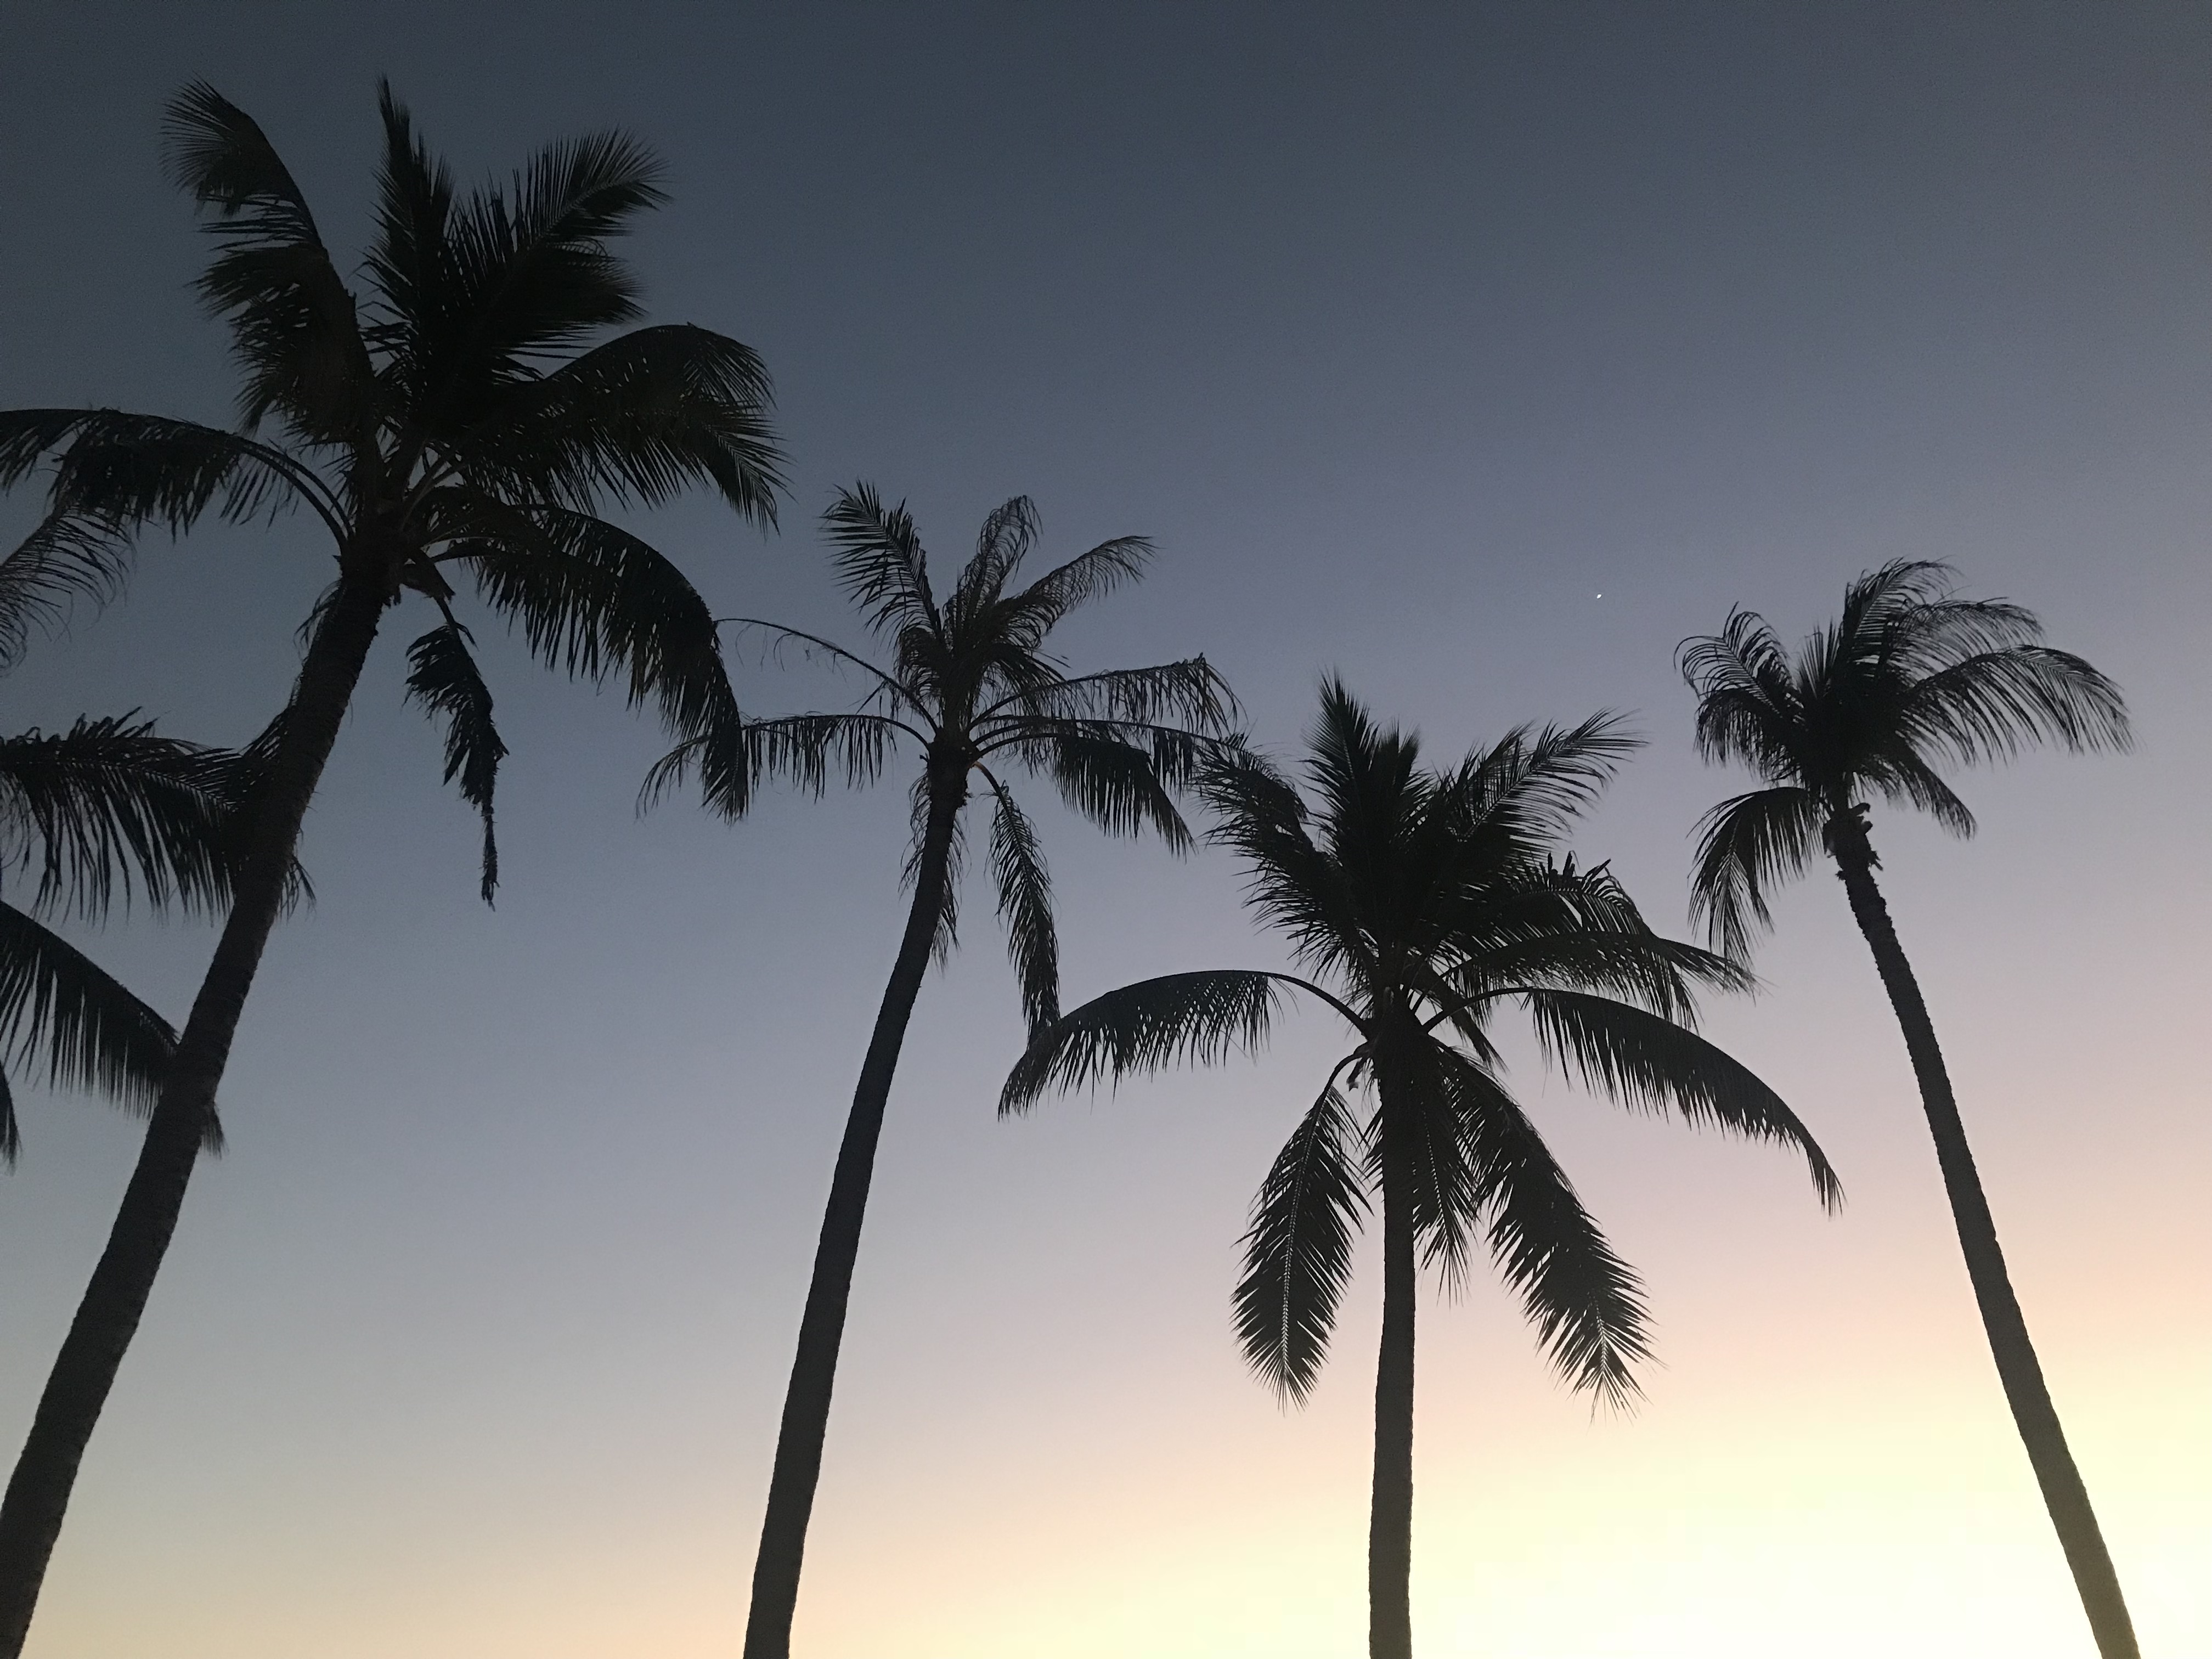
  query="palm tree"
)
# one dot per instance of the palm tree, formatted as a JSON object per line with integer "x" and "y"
{"x": 971, "y": 686}
{"x": 1911, "y": 677}
{"x": 1423, "y": 901}
{"x": 448, "y": 420}
{"x": 107, "y": 813}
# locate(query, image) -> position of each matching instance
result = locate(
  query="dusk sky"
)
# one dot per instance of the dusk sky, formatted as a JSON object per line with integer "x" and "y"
{"x": 1478, "y": 352}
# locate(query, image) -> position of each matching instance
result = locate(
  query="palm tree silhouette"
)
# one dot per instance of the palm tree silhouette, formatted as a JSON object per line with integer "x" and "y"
{"x": 1422, "y": 902}
{"x": 1909, "y": 676}
{"x": 971, "y": 686}
{"x": 108, "y": 812}
{"x": 448, "y": 422}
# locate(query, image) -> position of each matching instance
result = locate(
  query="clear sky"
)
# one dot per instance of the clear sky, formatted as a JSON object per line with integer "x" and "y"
{"x": 1408, "y": 331}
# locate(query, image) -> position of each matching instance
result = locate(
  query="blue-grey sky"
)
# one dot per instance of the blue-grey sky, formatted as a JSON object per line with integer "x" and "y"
{"x": 1408, "y": 332}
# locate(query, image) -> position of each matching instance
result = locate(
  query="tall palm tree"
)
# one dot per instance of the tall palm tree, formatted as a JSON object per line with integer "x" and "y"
{"x": 1911, "y": 677}
{"x": 971, "y": 686}
{"x": 1423, "y": 901}
{"x": 106, "y": 813}
{"x": 451, "y": 420}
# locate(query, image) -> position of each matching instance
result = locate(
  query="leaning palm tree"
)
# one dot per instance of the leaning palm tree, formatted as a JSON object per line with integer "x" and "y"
{"x": 1422, "y": 903}
{"x": 104, "y": 815}
{"x": 972, "y": 687}
{"x": 452, "y": 421}
{"x": 1911, "y": 677}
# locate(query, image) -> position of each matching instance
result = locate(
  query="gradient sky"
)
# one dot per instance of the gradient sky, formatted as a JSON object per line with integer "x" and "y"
{"x": 1408, "y": 331}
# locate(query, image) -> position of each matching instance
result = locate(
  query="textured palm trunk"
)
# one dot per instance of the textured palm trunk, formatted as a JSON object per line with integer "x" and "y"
{"x": 106, "y": 1318}
{"x": 1390, "y": 1515}
{"x": 822, "y": 1327}
{"x": 2018, "y": 1368}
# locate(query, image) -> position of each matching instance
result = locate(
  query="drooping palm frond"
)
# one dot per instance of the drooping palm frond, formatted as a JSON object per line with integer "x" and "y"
{"x": 1645, "y": 1062}
{"x": 920, "y": 803}
{"x": 599, "y": 603}
{"x": 1297, "y": 1251}
{"x": 1747, "y": 845}
{"x": 64, "y": 1017}
{"x": 1200, "y": 1018}
{"x": 114, "y": 467}
{"x": 110, "y": 808}
{"x": 443, "y": 678}
{"x": 1585, "y": 1301}
{"x": 1190, "y": 695}
{"x": 294, "y": 329}
{"x": 1024, "y": 885}
{"x": 68, "y": 555}
{"x": 1114, "y": 784}
{"x": 1422, "y": 1128}
{"x": 736, "y": 757}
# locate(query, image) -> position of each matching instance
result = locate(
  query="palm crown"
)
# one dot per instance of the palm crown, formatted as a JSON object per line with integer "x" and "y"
{"x": 1909, "y": 678}
{"x": 446, "y": 421}
{"x": 970, "y": 684}
{"x": 1423, "y": 901}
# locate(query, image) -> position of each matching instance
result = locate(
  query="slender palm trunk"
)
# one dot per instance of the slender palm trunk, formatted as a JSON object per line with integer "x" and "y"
{"x": 39, "y": 1492}
{"x": 2063, "y": 1494}
{"x": 1390, "y": 1516}
{"x": 822, "y": 1327}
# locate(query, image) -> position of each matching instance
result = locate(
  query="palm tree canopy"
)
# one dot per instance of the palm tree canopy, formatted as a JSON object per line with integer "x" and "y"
{"x": 107, "y": 813}
{"x": 1909, "y": 678}
{"x": 464, "y": 412}
{"x": 970, "y": 683}
{"x": 1420, "y": 901}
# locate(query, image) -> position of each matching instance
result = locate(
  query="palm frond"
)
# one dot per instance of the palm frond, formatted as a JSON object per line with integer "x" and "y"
{"x": 1750, "y": 707}
{"x": 1533, "y": 783}
{"x": 1422, "y": 1127}
{"x": 1746, "y": 845}
{"x": 1008, "y": 534}
{"x": 477, "y": 292}
{"x": 1585, "y": 1301}
{"x": 443, "y": 678}
{"x": 1992, "y": 705}
{"x": 1189, "y": 695}
{"x": 1024, "y": 885}
{"x": 919, "y": 801}
{"x": 1650, "y": 1063}
{"x": 68, "y": 555}
{"x": 640, "y": 418}
{"x": 64, "y": 1016}
{"x": 1297, "y": 1251}
{"x": 294, "y": 328}
{"x": 598, "y": 603}
{"x": 1200, "y": 1018}
{"x": 1114, "y": 784}
{"x": 110, "y": 808}
{"x": 880, "y": 561}
{"x": 239, "y": 779}
{"x": 1026, "y": 617}
{"x": 114, "y": 467}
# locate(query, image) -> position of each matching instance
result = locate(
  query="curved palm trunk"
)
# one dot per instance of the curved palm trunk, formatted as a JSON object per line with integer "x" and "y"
{"x": 1390, "y": 1513}
{"x": 822, "y": 1327}
{"x": 106, "y": 1318}
{"x": 2063, "y": 1494}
